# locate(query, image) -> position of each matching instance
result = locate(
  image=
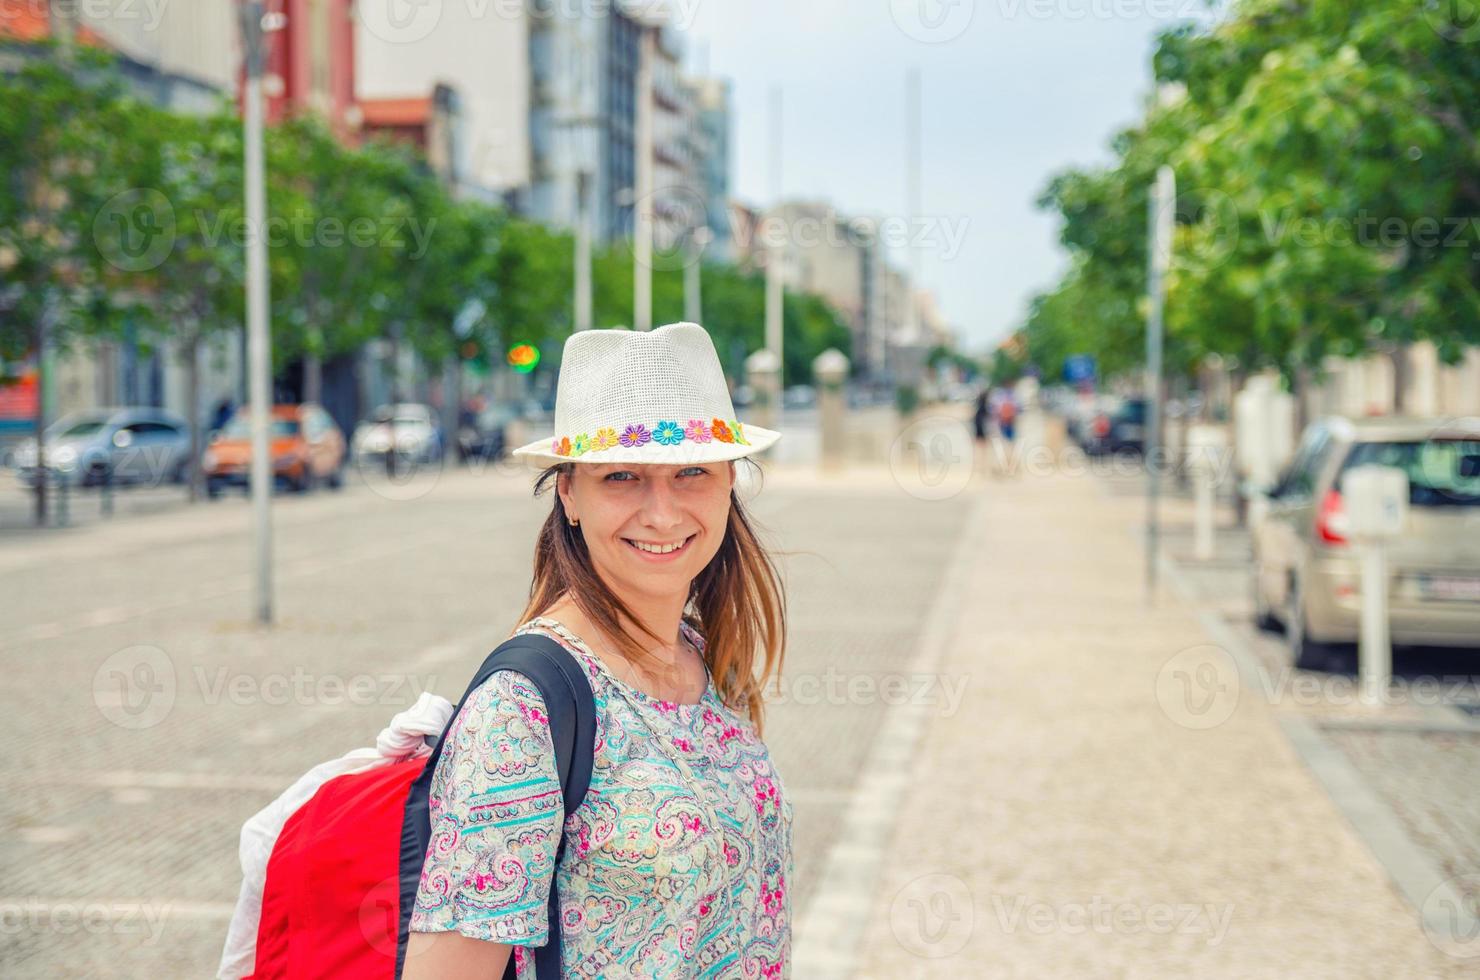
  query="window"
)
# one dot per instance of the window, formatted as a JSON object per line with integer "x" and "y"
{"x": 240, "y": 427}
{"x": 1299, "y": 479}
{"x": 1441, "y": 472}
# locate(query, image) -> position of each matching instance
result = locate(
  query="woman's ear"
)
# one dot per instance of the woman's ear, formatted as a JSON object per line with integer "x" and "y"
{"x": 562, "y": 487}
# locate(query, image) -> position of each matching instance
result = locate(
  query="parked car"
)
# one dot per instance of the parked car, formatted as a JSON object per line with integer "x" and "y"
{"x": 799, "y": 396}
{"x": 1306, "y": 577}
{"x": 1118, "y": 430}
{"x": 305, "y": 445}
{"x": 127, "y": 445}
{"x": 483, "y": 435}
{"x": 410, "y": 428}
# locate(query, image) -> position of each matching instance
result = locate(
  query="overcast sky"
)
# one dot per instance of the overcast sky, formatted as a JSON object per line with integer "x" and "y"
{"x": 1013, "y": 90}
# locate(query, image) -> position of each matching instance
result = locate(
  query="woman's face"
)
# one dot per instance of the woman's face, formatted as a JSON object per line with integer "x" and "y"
{"x": 623, "y": 505}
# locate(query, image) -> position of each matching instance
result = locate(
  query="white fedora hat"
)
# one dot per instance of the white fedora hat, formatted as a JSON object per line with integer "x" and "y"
{"x": 655, "y": 396}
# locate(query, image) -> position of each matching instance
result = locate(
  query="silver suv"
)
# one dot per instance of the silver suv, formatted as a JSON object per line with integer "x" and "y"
{"x": 1306, "y": 577}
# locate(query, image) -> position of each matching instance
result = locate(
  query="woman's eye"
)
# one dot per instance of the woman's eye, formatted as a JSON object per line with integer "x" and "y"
{"x": 693, "y": 469}
{"x": 609, "y": 476}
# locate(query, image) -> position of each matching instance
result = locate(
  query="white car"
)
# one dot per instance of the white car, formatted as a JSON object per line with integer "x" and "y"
{"x": 408, "y": 428}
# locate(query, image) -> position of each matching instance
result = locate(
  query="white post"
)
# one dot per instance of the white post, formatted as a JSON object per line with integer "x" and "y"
{"x": 583, "y": 252}
{"x": 642, "y": 215}
{"x": 1159, "y": 260}
{"x": 1375, "y": 651}
{"x": 1377, "y": 508}
{"x": 259, "y": 339}
{"x": 775, "y": 255}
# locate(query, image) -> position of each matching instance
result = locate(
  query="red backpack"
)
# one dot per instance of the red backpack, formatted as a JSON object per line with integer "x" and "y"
{"x": 342, "y": 878}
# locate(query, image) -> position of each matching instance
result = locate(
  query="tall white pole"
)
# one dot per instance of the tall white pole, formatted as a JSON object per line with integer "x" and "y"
{"x": 775, "y": 255}
{"x": 259, "y": 351}
{"x": 912, "y": 194}
{"x": 642, "y": 214}
{"x": 583, "y": 252}
{"x": 1159, "y": 260}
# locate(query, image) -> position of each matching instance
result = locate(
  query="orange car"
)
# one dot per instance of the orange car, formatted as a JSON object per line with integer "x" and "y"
{"x": 306, "y": 446}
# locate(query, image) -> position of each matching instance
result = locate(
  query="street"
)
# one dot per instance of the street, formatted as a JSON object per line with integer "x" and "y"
{"x": 994, "y": 770}
{"x": 155, "y": 718}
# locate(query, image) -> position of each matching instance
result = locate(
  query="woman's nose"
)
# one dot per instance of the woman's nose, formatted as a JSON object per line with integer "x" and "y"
{"x": 660, "y": 505}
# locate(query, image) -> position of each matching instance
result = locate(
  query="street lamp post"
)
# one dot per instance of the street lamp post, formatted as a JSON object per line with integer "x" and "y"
{"x": 1163, "y": 200}
{"x": 642, "y": 213}
{"x": 254, "y": 25}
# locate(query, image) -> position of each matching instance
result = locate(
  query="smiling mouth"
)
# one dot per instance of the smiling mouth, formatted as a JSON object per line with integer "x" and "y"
{"x": 660, "y": 554}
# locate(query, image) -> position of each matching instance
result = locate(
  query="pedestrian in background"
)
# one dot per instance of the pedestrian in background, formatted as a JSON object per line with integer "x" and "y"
{"x": 648, "y": 570}
{"x": 1005, "y": 413}
{"x": 980, "y": 417}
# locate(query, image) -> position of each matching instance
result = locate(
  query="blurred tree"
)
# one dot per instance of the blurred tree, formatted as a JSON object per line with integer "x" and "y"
{"x": 1325, "y": 155}
{"x": 70, "y": 170}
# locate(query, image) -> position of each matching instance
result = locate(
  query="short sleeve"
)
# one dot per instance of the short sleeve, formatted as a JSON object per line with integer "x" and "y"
{"x": 496, "y": 814}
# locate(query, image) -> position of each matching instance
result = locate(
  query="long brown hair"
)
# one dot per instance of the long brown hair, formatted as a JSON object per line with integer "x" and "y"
{"x": 736, "y": 603}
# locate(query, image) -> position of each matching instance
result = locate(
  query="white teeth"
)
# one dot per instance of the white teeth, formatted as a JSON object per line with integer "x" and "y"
{"x": 661, "y": 549}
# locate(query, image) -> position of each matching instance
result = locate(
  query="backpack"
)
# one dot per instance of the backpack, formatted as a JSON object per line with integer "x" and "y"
{"x": 344, "y": 870}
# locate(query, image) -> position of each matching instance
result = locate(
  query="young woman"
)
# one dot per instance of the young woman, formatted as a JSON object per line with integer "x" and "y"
{"x": 647, "y": 570}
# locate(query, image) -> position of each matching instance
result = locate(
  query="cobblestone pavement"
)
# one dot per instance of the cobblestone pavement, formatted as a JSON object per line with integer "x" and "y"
{"x": 1089, "y": 813}
{"x": 149, "y": 717}
{"x": 1417, "y": 755}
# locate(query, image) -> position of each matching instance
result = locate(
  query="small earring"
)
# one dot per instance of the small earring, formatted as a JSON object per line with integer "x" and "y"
{"x": 574, "y": 521}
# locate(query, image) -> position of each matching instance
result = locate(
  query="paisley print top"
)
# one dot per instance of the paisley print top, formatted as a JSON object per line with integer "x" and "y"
{"x": 677, "y": 864}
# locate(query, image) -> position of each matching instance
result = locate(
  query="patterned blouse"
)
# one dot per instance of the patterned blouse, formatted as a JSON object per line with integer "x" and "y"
{"x": 677, "y": 864}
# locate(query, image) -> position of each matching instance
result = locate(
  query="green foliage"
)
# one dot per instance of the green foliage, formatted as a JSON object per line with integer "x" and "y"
{"x": 114, "y": 211}
{"x": 1325, "y": 154}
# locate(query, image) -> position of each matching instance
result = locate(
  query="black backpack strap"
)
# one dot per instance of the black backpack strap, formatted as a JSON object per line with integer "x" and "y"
{"x": 566, "y": 690}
